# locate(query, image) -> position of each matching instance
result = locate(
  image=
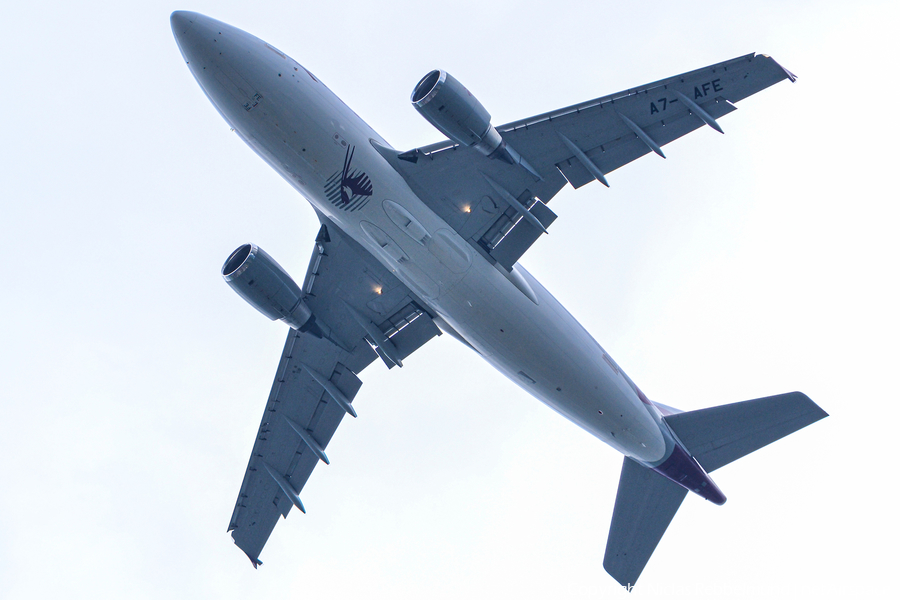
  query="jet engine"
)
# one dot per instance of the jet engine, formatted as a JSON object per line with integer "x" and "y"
{"x": 455, "y": 112}
{"x": 261, "y": 281}
{"x": 449, "y": 106}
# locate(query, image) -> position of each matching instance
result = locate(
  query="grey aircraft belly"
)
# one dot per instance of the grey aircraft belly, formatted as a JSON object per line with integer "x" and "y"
{"x": 416, "y": 243}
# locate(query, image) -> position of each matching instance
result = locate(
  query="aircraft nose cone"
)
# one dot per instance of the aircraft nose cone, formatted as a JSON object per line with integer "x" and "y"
{"x": 194, "y": 33}
{"x": 181, "y": 21}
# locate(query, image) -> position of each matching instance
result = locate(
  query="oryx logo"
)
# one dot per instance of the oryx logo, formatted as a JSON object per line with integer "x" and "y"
{"x": 348, "y": 189}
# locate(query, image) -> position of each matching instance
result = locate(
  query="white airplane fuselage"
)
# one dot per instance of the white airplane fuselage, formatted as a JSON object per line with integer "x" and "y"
{"x": 300, "y": 128}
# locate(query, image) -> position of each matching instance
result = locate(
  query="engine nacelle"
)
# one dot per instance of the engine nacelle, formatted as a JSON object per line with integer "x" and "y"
{"x": 268, "y": 288}
{"x": 455, "y": 112}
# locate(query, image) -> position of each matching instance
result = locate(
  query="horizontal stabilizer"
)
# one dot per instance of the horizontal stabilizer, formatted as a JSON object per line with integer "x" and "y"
{"x": 645, "y": 504}
{"x": 719, "y": 435}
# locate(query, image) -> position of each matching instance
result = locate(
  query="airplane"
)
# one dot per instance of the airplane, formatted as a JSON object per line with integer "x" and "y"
{"x": 426, "y": 241}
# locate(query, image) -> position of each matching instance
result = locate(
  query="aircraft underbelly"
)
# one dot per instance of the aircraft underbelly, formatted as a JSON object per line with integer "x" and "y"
{"x": 360, "y": 189}
{"x": 548, "y": 354}
{"x": 306, "y": 134}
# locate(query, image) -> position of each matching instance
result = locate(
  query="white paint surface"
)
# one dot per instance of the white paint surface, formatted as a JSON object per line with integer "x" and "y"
{"x": 744, "y": 265}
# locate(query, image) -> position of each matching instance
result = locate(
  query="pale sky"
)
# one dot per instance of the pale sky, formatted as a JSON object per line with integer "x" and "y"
{"x": 754, "y": 263}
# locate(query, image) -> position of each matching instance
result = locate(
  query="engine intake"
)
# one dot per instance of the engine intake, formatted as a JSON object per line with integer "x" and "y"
{"x": 455, "y": 112}
{"x": 261, "y": 281}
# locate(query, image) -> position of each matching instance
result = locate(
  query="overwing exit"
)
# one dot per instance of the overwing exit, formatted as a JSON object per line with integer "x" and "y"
{"x": 416, "y": 243}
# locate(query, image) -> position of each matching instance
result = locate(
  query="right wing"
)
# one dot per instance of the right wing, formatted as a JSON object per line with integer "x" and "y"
{"x": 609, "y": 130}
{"x": 358, "y": 299}
{"x": 574, "y": 145}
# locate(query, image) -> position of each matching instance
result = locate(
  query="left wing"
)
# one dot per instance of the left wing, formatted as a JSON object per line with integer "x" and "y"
{"x": 575, "y": 145}
{"x": 368, "y": 313}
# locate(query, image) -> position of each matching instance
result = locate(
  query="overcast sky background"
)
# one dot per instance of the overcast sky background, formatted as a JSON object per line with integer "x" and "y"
{"x": 744, "y": 265}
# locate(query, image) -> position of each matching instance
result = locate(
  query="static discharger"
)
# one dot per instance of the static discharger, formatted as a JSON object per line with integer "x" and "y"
{"x": 592, "y": 168}
{"x": 695, "y": 108}
{"x": 285, "y": 486}
{"x": 642, "y": 135}
{"x": 520, "y": 208}
{"x": 378, "y": 338}
{"x": 333, "y": 391}
{"x": 307, "y": 437}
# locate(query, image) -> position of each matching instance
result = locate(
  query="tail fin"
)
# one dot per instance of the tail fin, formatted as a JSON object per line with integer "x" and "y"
{"x": 722, "y": 434}
{"x": 646, "y": 501}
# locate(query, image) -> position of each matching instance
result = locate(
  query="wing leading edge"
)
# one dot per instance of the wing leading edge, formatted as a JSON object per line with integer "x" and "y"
{"x": 316, "y": 380}
{"x": 576, "y": 145}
